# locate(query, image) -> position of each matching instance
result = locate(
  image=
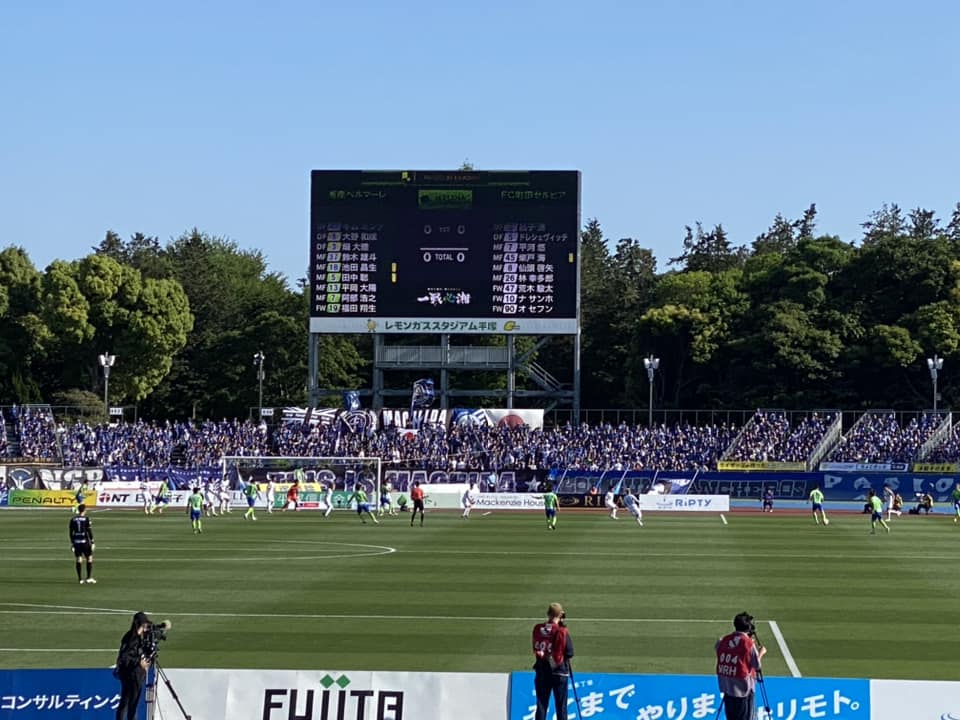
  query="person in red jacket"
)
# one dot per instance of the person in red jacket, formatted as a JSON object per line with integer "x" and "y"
{"x": 417, "y": 495}
{"x": 738, "y": 660}
{"x": 552, "y": 650}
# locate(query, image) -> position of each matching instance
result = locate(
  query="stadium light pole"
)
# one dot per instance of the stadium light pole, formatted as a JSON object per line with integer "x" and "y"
{"x": 258, "y": 359}
{"x": 106, "y": 361}
{"x": 651, "y": 364}
{"x": 935, "y": 365}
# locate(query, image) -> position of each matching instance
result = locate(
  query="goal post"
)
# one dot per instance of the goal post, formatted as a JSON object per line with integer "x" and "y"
{"x": 343, "y": 475}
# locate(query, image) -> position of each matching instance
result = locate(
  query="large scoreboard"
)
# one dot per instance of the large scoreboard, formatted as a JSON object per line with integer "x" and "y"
{"x": 450, "y": 251}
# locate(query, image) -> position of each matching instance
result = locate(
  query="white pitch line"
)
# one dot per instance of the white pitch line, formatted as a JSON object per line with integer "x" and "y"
{"x": 784, "y": 650}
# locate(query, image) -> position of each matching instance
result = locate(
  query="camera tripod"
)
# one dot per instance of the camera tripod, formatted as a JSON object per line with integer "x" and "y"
{"x": 152, "y": 692}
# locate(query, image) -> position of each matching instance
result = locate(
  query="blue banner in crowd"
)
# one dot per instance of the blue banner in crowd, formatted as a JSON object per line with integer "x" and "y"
{"x": 685, "y": 697}
{"x": 60, "y": 694}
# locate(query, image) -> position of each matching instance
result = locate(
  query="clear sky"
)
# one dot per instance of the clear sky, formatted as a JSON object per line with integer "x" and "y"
{"x": 160, "y": 117}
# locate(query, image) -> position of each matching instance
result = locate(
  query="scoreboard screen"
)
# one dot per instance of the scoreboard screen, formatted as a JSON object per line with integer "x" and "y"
{"x": 444, "y": 251}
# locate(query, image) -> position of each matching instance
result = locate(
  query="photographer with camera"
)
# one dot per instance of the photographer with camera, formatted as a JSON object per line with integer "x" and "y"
{"x": 738, "y": 665}
{"x": 133, "y": 659}
{"x": 552, "y": 650}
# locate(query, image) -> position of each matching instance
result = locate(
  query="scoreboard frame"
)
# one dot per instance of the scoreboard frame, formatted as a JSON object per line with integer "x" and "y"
{"x": 431, "y": 252}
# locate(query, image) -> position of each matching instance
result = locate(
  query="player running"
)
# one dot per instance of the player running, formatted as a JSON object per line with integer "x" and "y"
{"x": 225, "y": 496}
{"x": 146, "y": 496}
{"x": 632, "y": 503}
{"x": 610, "y": 501}
{"x": 81, "y": 540}
{"x": 162, "y": 499}
{"x": 360, "y": 495}
{"x": 816, "y": 504}
{"x": 195, "y": 511}
{"x": 327, "y": 499}
{"x": 210, "y": 500}
{"x": 876, "y": 514}
{"x": 251, "y": 492}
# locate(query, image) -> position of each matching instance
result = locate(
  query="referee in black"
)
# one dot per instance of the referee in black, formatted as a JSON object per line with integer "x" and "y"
{"x": 81, "y": 540}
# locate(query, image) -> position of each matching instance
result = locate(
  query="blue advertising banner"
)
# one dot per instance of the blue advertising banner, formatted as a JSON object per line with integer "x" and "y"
{"x": 786, "y": 485}
{"x": 682, "y": 697}
{"x": 179, "y": 478}
{"x": 60, "y": 694}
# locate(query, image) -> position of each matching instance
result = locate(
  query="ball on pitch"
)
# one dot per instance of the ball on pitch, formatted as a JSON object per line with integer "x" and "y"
{"x": 826, "y": 521}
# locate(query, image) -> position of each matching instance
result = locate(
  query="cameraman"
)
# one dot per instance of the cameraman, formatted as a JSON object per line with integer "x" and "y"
{"x": 132, "y": 664}
{"x": 738, "y": 660}
{"x": 552, "y": 650}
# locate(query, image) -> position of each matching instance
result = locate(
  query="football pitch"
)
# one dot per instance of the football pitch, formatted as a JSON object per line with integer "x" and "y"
{"x": 297, "y": 591}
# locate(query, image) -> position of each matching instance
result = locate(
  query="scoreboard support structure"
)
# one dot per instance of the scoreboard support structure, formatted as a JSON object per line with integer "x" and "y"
{"x": 444, "y": 254}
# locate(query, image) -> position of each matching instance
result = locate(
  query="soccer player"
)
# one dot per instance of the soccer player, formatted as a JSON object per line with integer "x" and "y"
{"x": 163, "y": 497}
{"x": 610, "y": 501}
{"x": 210, "y": 500}
{"x": 386, "y": 503}
{"x": 551, "y": 503}
{"x": 360, "y": 495}
{"x": 328, "y": 499}
{"x": 80, "y": 494}
{"x": 876, "y": 515}
{"x": 251, "y": 492}
{"x": 891, "y": 499}
{"x": 816, "y": 503}
{"x": 956, "y": 502}
{"x": 271, "y": 494}
{"x": 470, "y": 497}
{"x": 81, "y": 540}
{"x": 293, "y": 496}
{"x": 417, "y": 495}
{"x": 225, "y": 496}
{"x": 632, "y": 503}
{"x": 146, "y": 496}
{"x": 195, "y": 510}
{"x": 768, "y": 500}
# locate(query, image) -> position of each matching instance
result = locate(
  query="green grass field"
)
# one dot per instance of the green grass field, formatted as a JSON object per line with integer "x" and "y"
{"x": 299, "y": 591}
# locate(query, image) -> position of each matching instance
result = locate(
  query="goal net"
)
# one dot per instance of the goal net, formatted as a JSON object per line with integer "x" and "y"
{"x": 343, "y": 475}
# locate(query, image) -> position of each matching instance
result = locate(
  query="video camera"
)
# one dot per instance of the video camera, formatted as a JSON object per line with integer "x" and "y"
{"x": 153, "y": 636}
{"x": 744, "y": 623}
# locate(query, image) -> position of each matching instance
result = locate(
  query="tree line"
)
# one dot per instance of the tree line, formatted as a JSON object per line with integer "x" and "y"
{"x": 797, "y": 319}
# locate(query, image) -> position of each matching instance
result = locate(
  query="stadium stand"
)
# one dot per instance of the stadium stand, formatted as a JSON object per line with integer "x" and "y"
{"x": 877, "y": 437}
{"x": 769, "y": 436}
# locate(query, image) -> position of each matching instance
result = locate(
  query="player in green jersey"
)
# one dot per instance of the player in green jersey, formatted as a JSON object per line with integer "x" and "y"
{"x": 551, "y": 504}
{"x": 956, "y": 502}
{"x": 876, "y": 512}
{"x": 251, "y": 492}
{"x": 363, "y": 507}
{"x": 816, "y": 503}
{"x": 195, "y": 510}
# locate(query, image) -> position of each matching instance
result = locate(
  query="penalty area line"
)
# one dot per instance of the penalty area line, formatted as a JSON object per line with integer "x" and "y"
{"x": 784, "y": 650}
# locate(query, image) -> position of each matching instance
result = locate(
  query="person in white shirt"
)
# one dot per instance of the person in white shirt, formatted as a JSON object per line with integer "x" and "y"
{"x": 225, "y": 496}
{"x": 470, "y": 497}
{"x": 610, "y": 500}
{"x": 271, "y": 494}
{"x": 632, "y": 503}
{"x": 147, "y": 496}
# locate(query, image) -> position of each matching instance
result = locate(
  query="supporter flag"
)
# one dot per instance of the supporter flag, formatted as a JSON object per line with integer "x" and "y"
{"x": 351, "y": 400}
{"x": 619, "y": 486}
{"x": 421, "y": 399}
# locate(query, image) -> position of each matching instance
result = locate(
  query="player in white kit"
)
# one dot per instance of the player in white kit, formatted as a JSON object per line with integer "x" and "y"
{"x": 469, "y": 499}
{"x": 271, "y": 494}
{"x": 632, "y": 503}
{"x": 610, "y": 500}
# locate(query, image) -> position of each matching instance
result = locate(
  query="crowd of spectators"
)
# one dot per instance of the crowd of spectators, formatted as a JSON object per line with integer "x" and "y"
{"x": 879, "y": 438}
{"x": 770, "y": 437}
{"x": 38, "y": 433}
{"x": 948, "y": 451}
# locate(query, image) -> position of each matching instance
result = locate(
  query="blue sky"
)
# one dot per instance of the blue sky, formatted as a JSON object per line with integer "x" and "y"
{"x": 159, "y": 118}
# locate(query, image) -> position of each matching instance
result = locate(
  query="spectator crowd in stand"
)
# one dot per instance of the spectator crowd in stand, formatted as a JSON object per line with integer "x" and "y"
{"x": 770, "y": 437}
{"x": 877, "y": 438}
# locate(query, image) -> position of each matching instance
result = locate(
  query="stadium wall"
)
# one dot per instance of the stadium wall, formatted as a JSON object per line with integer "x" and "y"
{"x": 369, "y": 695}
